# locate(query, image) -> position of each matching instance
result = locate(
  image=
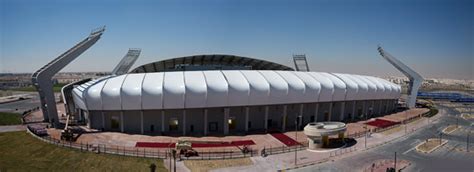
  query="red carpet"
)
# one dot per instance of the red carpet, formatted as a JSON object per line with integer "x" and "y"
{"x": 197, "y": 144}
{"x": 288, "y": 141}
{"x": 380, "y": 123}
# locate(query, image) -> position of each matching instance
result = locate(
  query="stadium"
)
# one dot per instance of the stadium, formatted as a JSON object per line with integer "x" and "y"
{"x": 214, "y": 94}
{"x": 225, "y": 94}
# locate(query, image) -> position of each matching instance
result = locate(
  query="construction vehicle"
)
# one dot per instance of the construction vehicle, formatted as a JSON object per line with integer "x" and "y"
{"x": 67, "y": 134}
{"x": 185, "y": 148}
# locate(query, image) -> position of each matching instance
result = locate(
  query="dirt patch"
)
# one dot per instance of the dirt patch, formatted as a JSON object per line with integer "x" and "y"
{"x": 450, "y": 129}
{"x": 430, "y": 145}
{"x": 467, "y": 116}
{"x": 207, "y": 165}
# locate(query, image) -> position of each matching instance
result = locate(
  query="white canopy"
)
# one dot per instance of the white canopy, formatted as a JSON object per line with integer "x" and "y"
{"x": 226, "y": 88}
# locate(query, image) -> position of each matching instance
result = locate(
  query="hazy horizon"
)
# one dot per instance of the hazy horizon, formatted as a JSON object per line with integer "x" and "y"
{"x": 433, "y": 37}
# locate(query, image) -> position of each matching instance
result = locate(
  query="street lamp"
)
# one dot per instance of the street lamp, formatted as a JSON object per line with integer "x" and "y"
{"x": 365, "y": 140}
{"x": 406, "y": 117}
{"x": 296, "y": 137}
{"x": 468, "y": 134}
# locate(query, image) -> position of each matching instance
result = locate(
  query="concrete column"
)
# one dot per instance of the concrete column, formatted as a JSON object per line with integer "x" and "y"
{"x": 364, "y": 112}
{"x": 205, "y": 122}
{"x": 325, "y": 140}
{"x": 373, "y": 107}
{"x": 162, "y": 121}
{"x": 354, "y": 105}
{"x": 330, "y": 111}
{"x": 247, "y": 110}
{"x": 341, "y": 135}
{"x": 395, "y": 102}
{"x": 184, "y": 122}
{"x": 141, "y": 121}
{"x": 380, "y": 106}
{"x": 88, "y": 121}
{"x": 226, "y": 124}
{"x": 266, "y": 118}
{"x": 301, "y": 114}
{"x": 121, "y": 122}
{"x": 343, "y": 106}
{"x": 103, "y": 120}
{"x": 316, "y": 111}
{"x": 285, "y": 114}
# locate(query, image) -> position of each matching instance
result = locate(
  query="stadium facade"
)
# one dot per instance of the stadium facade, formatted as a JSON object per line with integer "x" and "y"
{"x": 225, "y": 94}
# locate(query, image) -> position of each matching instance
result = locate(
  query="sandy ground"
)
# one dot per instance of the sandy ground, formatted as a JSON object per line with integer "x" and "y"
{"x": 401, "y": 116}
{"x": 117, "y": 139}
{"x": 37, "y": 116}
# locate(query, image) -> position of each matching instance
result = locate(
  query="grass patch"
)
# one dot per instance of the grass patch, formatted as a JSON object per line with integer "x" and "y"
{"x": 56, "y": 88}
{"x": 20, "y": 151}
{"x": 7, "y": 118}
{"x": 433, "y": 111}
{"x": 207, "y": 165}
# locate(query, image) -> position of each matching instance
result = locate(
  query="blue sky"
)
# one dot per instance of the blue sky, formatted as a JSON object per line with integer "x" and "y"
{"x": 433, "y": 36}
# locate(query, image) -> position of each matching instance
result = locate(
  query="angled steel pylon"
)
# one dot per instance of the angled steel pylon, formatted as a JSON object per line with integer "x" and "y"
{"x": 42, "y": 78}
{"x": 415, "y": 78}
{"x": 301, "y": 64}
{"x": 127, "y": 61}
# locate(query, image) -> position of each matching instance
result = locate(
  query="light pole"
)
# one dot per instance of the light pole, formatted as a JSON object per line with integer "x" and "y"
{"x": 468, "y": 134}
{"x": 395, "y": 162}
{"x": 365, "y": 140}
{"x": 174, "y": 160}
{"x": 296, "y": 138}
{"x": 406, "y": 117}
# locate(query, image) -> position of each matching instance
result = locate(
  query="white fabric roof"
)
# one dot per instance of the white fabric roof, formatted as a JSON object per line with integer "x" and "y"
{"x": 201, "y": 89}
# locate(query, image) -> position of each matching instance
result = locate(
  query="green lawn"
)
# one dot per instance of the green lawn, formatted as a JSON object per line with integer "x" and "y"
{"x": 9, "y": 118}
{"x": 56, "y": 88}
{"x": 19, "y": 151}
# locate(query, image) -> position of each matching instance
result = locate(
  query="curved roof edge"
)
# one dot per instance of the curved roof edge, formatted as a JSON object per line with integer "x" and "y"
{"x": 226, "y": 88}
{"x": 209, "y": 62}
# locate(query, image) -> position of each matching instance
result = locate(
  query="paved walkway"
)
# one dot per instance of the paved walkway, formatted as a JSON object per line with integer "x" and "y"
{"x": 10, "y": 128}
{"x": 305, "y": 157}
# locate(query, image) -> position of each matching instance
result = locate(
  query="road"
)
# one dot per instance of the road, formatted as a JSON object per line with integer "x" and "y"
{"x": 443, "y": 159}
{"x": 21, "y": 106}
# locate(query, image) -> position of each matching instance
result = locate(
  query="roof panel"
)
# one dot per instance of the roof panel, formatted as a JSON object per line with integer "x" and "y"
{"x": 259, "y": 87}
{"x": 93, "y": 96}
{"x": 278, "y": 87}
{"x": 362, "y": 93}
{"x": 152, "y": 91}
{"x": 196, "y": 89}
{"x": 327, "y": 87}
{"x": 217, "y": 88}
{"x": 238, "y": 88}
{"x": 380, "y": 87}
{"x": 312, "y": 87}
{"x": 339, "y": 93}
{"x": 111, "y": 99}
{"x": 296, "y": 87}
{"x": 372, "y": 92}
{"x": 132, "y": 91}
{"x": 352, "y": 87}
{"x": 173, "y": 90}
